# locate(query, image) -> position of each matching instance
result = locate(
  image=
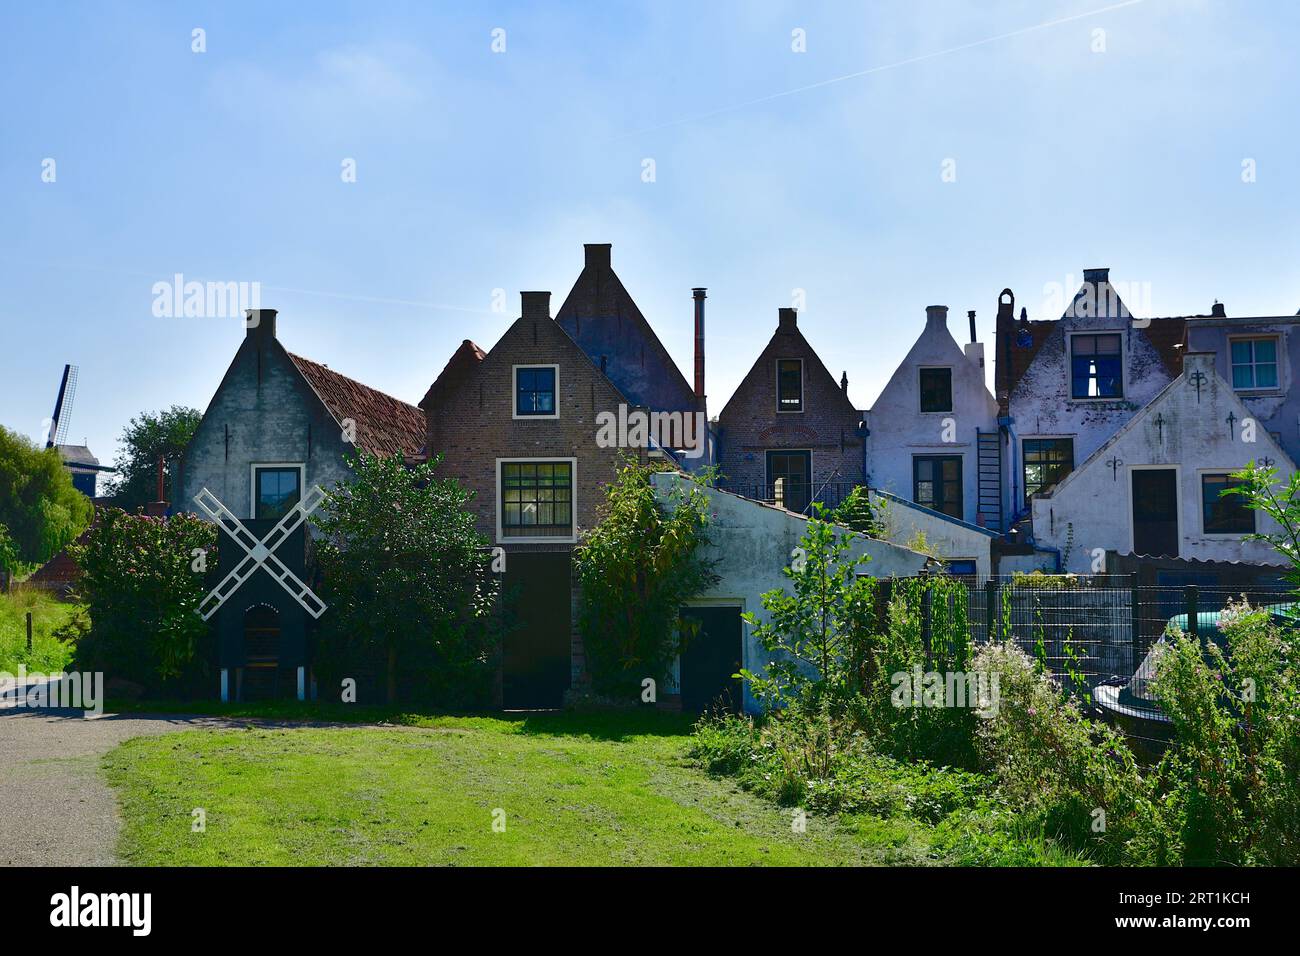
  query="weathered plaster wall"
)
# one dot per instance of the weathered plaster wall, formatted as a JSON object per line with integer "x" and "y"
{"x": 1278, "y": 409}
{"x": 1093, "y": 507}
{"x": 272, "y": 416}
{"x": 899, "y": 429}
{"x": 951, "y": 539}
{"x": 752, "y": 543}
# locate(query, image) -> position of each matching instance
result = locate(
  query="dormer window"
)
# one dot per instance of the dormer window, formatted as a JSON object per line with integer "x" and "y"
{"x": 536, "y": 389}
{"x": 1254, "y": 363}
{"x": 789, "y": 385}
{"x": 936, "y": 389}
{"x": 1096, "y": 366}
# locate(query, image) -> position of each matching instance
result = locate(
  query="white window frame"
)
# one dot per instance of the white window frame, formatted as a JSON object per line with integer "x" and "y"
{"x": 573, "y": 502}
{"x": 252, "y": 481}
{"x": 803, "y": 403}
{"x": 1278, "y": 361}
{"x": 952, "y": 396}
{"x": 514, "y": 392}
{"x": 1123, "y": 366}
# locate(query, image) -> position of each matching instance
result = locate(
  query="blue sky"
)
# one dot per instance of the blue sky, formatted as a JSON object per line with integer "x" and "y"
{"x": 476, "y": 171}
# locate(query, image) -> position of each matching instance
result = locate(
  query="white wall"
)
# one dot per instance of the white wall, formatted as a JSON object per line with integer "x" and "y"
{"x": 1177, "y": 430}
{"x": 899, "y": 429}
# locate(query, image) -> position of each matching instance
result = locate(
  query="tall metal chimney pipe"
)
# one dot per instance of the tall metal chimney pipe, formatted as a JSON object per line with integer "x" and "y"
{"x": 699, "y": 295}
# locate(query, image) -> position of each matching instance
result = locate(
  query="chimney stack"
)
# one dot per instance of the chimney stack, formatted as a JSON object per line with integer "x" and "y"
{"x": 596, "y": 254}
{"x": 971, "y": 316}
{"x": 535, "y": 305}
{"x": 260, "y": 322}
{"x": 787, "y": 320}
{"x": 844, "y": 382}
{"x": 699, "y": 295}
{"x": 936, "y": 315}
{"x": 1218, "y": 311}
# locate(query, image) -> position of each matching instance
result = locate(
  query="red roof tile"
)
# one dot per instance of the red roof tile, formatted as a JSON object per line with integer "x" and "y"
{"x": 385, "y": 425}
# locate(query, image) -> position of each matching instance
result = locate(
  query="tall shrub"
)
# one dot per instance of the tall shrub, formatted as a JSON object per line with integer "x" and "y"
{"x": 142, "y": 580}
{"x": 408, "y": 581}
{"x": 38, "y": 503}
{"x": 636, "y": 568}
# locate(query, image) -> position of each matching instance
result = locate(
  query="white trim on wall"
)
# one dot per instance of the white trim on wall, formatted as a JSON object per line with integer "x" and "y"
{"x": 573, "y": 502}
{"x": 514, "y": 392}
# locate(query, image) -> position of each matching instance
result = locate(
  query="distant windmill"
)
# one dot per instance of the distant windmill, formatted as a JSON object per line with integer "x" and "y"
{"x": 63, "y": 408}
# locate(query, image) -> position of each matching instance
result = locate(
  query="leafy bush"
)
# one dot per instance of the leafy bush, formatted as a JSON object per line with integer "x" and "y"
{"x": 406, "y": 577}
{"x": 1078, "y": 777}
{"x": 819, "y": 636}
{"x": 38, "y": 504}
{"x": 8, "y": 551}
{"x": 859, "y": 512}
{"x": 142, "y": 583}
{"x": 1233, "y": 773}
{"x": 636, "y": 568}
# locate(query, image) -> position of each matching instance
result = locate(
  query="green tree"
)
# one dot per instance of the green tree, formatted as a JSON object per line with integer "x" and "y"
{"x": 142, "y": 579}
{"x": 636, "y": 568}
{"x": 148, "y": 437}
{"x": 38, "y": 503}
{"x": 8, "y": 551}
{"x": 408, "y": 581}
{"x": 819, "y": 636}
{"x": 858, "y": 512}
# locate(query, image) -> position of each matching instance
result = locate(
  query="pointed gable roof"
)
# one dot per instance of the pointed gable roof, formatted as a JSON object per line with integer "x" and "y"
{"x": 385, "y": 425}
{"x": 601, "y": 317}
{"x": 786, "y": 338}
{"x": 463, "y": 361}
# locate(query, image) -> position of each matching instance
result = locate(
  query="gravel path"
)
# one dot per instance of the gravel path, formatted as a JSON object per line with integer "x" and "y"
{"x": 55, "y": 808}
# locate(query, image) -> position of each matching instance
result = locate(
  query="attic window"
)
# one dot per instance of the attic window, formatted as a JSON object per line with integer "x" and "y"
{"x": 789, "y": 385}
{"x": 936, "y": 389}
{"x": 535, "y": 391}
{"x": 1096, "y": 366}
{"x": 276, "y": 489}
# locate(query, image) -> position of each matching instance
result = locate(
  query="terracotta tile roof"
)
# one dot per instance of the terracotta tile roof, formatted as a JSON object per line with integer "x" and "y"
{"x": 385, "y": 425}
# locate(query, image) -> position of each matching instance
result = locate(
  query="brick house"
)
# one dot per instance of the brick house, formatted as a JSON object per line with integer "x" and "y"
{"x": 517, "y": 425}
{"x": 603, "y": 319}
{"x": 278, "y": 425}
{"x": 789, "y": 419}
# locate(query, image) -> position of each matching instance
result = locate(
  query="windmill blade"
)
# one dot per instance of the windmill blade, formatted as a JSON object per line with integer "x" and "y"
{"x": 65, "y": 416}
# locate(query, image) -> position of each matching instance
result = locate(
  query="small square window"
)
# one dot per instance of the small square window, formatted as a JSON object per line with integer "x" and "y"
{"x": 1224, "y": 514}
{"x": 789, "y": 385}
{"x": 936, "y": 389}
{"x": 275, "y": 491}
{"x": 1096, "y": 366}
{"x": 535, "y": 391}
{"x": 1254, "y": 363}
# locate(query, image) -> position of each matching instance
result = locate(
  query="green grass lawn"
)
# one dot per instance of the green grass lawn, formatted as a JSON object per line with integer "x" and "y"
{"x": 575, "y": 789}
{"x": 48, "y": 653}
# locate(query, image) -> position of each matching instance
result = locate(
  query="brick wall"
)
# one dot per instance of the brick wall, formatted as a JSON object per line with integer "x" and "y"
{"x": 471, "y": 421}
{"x": 750, "y": 424}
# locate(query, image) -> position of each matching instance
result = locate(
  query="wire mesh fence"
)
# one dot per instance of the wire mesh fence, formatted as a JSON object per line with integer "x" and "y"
{"x": 1101, "y": 635}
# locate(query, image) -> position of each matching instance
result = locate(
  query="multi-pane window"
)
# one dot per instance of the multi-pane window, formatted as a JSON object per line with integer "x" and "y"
{"x": 275, "y": 491}
{"x": 789, "y": 385}
{"x": 1224, "y": 514}
{"x": 936, "y": 389}
{"x": 1254, "y": 363}
{"x": 535, "y": 390}
{"x": 537, "y": 498}
{"x": 1047, "y": 462}
{"x": 1096, "y": 366}
{"x": 936, "y": 483}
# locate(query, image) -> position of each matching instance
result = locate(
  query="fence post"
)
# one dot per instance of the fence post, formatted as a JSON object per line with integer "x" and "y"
{"x": 1135, "y": 610}
{"x": 990, "y": 605}
{"x": 927, "y": 621}
{"x": 1190, "y": 596}
{"x": 29, "y": 632}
